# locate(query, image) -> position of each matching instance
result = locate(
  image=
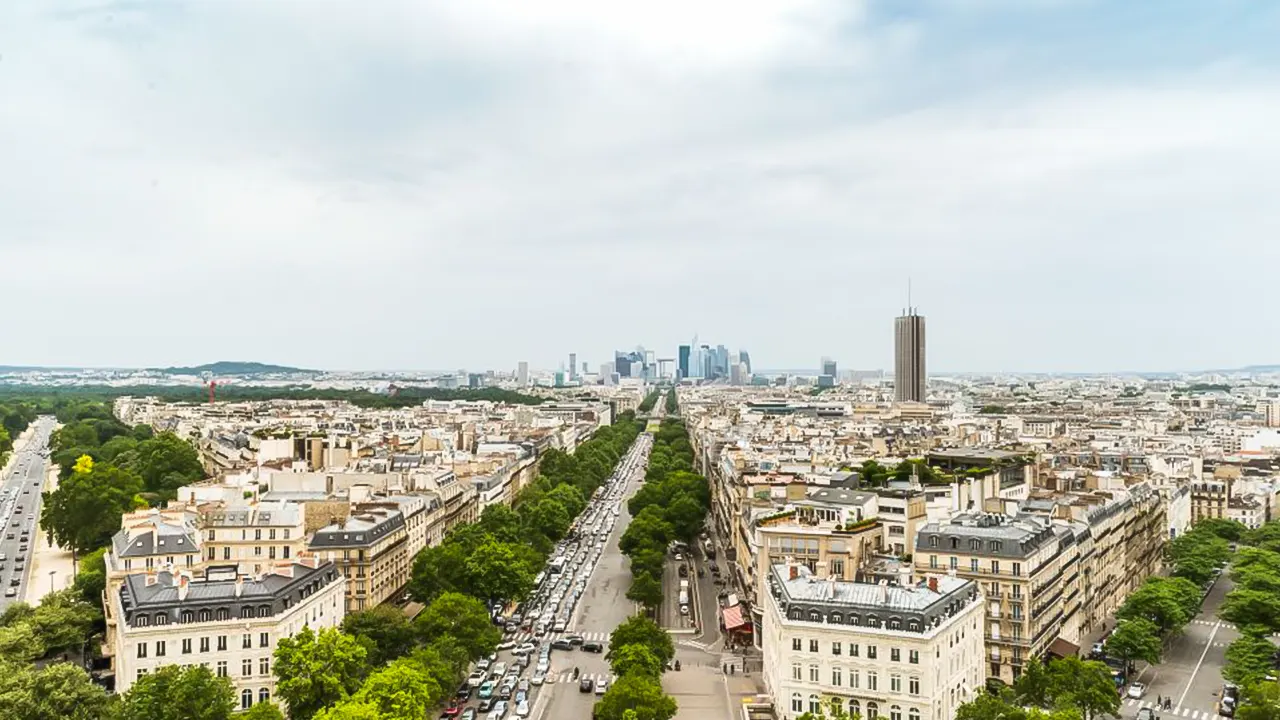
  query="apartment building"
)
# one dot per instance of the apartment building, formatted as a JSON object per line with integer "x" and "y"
{"x": 225, "y": 621}
{"x": 151, "y": 539}
{"x": 370, "y": 550}
{"x": 897, "y": 651}
{"x": 254, "y": 535}
{"x": 1210, "y": 499}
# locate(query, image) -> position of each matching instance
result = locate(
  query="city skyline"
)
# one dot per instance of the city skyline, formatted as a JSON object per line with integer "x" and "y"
{"x": 772, "y": 183}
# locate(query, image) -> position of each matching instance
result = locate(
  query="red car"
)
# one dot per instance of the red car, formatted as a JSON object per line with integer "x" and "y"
{"x": 450, "y": 713}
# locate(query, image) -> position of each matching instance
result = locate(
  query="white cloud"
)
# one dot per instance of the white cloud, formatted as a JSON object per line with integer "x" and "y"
{"x": 486, "y": 182}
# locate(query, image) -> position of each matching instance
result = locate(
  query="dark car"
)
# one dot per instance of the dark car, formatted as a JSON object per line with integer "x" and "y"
{"x": 592, "y": 647}
{"x": 561, "y": 644}
{"x": 463, "y": 694}
{"x": 575, "y": 639}
{"x": 586, "y": 685}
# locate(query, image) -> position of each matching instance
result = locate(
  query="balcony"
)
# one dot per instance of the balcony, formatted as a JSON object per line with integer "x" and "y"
{"x": 1006, "y": 640}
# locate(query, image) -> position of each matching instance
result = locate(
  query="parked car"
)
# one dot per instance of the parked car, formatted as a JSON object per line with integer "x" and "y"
{"x": 1147, "y": 713}
{"x": 602, "y": 687}
{"x": 586, "y": 685}
{"x": 538, "y": 678}
{"x": 487, "y": 704}
{"x": 486, "y": 691}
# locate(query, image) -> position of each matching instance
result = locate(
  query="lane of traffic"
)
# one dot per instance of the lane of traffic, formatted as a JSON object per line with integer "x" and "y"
{"x": 20, "y": 501}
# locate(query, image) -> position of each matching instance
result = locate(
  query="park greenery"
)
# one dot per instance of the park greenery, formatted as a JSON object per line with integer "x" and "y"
{"x": 672, "y": 505}
{"x": 639, "y": 651}
{"x": 672, "y": 403}
{"x": 1063, "y": 689}
{"x": 15, "y": 416}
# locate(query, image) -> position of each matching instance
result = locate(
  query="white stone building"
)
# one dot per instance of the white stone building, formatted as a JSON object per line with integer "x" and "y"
{"x": 899, "y": 652}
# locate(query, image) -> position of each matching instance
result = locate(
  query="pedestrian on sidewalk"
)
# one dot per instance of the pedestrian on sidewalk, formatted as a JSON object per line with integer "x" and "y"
{"x": 1159, "y": 701}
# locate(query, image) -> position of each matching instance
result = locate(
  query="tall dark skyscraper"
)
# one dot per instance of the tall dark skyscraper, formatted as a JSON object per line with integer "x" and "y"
{"x": 908, "y": 357}
{"x": 573, "y": 366}
{"x": 684, "y": 361}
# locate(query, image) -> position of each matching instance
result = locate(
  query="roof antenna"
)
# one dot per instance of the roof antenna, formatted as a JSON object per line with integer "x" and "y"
{"x": 909, "y": 310}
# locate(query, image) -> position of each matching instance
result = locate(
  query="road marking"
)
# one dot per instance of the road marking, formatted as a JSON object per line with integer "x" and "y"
{"x": 1199, "y": 662}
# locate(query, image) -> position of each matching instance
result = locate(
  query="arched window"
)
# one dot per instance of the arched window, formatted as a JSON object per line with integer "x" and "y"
{"x": 797, "y": 703}
{"x": 815, "y": 616}
{"x": 913, "y": 714}
{"x": 895, "y": 712}
{"x": 837, "y": 706}
{"x": 246, "y": 699}
{"x": 933, "y": 541}
{"x": 913, "y": 625}
{"x": 895, "y": 623}
{"x": 205, "y": 615}
{"x": 223, "y": 614}
{"x": 853, "y": 619}
{"x": 162, "y": 619}
{"x": 955, "y": 543}
{"x": 873, "y": 621}
{"x": 246, "y": 612}
{"x": 796, "y": 614}
{"x": 836, "y": 618}
{"x": 264, "y": 695}
{"x": 855, "y": 708}
{"x": 815, "y": 704}
{"x": 188, "y": 616}
{"x": 142, "y": 621}
{"x": 873, "y": 710}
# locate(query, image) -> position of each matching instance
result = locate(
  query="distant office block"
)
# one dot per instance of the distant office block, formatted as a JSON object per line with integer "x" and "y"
{"x": 909, "y": 353}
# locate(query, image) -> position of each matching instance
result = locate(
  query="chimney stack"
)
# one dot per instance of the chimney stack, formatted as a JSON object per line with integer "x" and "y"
{"x": 793, "y": 571}
{"x": 239, "y": 585}
{"x": 183, "y": 581}
{"x": 933, "y": 584}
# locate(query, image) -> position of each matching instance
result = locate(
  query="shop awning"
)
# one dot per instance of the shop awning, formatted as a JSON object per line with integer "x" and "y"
{"x": 732, "y": 617}
{"x": 1062, "y": 648}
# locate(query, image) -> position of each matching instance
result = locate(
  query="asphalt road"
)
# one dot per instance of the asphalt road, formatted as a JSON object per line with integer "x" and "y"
{"x": 1191, "y": 671}
{"x": 20, "y": 510}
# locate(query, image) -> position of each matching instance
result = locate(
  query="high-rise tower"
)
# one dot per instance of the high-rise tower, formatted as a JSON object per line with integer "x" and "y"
{"x": 908, "y": 357}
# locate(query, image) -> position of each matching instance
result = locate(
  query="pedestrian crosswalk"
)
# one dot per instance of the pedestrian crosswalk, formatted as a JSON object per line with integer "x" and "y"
{"x": 526, "y": 636}
{"x": 1224, "y": 625}
{"x": 566, "y": 676}
{"x": 1178, "y": 712}
{"x": 695, "y": 644}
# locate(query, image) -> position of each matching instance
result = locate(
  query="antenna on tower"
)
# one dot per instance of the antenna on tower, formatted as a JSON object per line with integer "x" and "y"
{"x": 909, "y": 310}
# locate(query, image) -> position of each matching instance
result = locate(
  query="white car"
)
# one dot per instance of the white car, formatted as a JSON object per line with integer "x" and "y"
{"x": 524, "y": 649}
{"x": 602, "y": 686}
{"x": 538, "y": 678}
{"x": 1136, "y": 691}
{"x": 506, "y": 644}
{"x": 522, "y": 710}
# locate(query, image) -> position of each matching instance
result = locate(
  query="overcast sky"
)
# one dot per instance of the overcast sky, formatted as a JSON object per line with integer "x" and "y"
{"x": 358, "y": 185}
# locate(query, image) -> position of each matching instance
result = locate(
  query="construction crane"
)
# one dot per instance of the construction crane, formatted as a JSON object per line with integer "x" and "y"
{"x": 213, "y": 386}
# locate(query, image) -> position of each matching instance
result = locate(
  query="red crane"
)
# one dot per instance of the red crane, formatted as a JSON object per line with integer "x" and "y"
{"x": 212, "y": 385}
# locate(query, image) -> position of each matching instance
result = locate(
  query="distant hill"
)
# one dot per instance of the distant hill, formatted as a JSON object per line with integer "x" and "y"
{"x": 233, "y": 367}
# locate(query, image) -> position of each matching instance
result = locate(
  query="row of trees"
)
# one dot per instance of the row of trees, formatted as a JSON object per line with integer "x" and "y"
{"x": 649, "y": 400}
{"x": 1065, "y": 689}
{"x": 672, "y": 505}
{"x": 639, "y": 652}
{"x": 15, "y": 416}
{"x": 497, "y": 557}
{"x": 672, "y": 403}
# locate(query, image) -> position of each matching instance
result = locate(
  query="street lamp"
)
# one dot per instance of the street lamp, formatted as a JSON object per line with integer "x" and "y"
{"x": 51, "y": 574}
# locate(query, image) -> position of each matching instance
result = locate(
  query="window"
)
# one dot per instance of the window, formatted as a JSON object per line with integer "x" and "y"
{"x": 1017, "y": 569}
{"x": 913, "y": 685}
{"x": 257, "y": 534}
{"x": 222, "y": 668}
{"x": 837, "y": 678}
{"x": 264, "y": 639}
{"x": 271, "y": 552}
{"x": 813, "y": 673}
{"x": 973, "y": 564}
{"x": 933, "y": 541}
{"x": 797, "y": 703}
{"x": 264, "y": 666}
{"x": 813, "y": 646}
{"x": 160, "y": 648}
{"x": 246, "y": 612}
{"x": 286, "y": 547}
{"x": 246, "y": 667}
{"x": 141, "y": 672}
{"x": 853, "y": 678}
{"x": 835, "y": 648}
{"x": 913, "y": 714}
{"x": 162, "y": 619}
{"x": 264, "y": 695}
{"x": 837, "y": 707}
{"x": 995, "y": 566}
{"x": 955, "y": 543}
{"x": 895, "y": 654}
{"x": 871, "y": 652}
{"x": 895, "y": 623}
{"x": 222, "y": 643}
{"x": 142, "y": 621}
{"x": 855, "y": 708}
{"x": 913, "y": 657}
{"x": 142, "y": 649}
{"x": 246, "y": 641}
{"x": 224, "y": 614}
{"x": 797, "y": 644}
{"x": 257, "y": 551}
{"x": 246, "y": 699}
{"x": 205, "y": 615}
{"x": 955, "y": 562}
{"x": 796, "y": 672}
{"x": 895, "y": 712}
{"x": 975, "y": 544}
{"x": 873, "y": 710}
{"x": 853, "y": 650}
{"x": 815, "y": 705}
{"x": 226, "y": 553}
{"x": 835, "y": 618}
{"x": 933, "y": 561}
{"x": 204, "y": 644}
{"x": 186, "y": 646}
{"x": 872, "y": 679}
{"x": 895, "y": 683}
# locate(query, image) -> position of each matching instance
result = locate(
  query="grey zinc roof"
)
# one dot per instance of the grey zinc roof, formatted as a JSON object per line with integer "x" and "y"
{"x": 359, "y": 530}
{"x": 154, "y": 536}
{"x": 137, "y": 597}
{"x": 916, "y": 608}
{"x": 841, "y": 496}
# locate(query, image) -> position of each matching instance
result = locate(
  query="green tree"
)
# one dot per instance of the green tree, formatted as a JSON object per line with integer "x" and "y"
{"x": 351, "y": 710}
{"x": 547, "y": 518}
{"x": 436, "y": 570}
{"x": 639, "y": 693}
{"x": 1083, "y": 684}
{"x": 686, "y": 516}
{"x": 1249, "y": 659}
{"x": 262, "y": 711}
{"x": 1251, "y": 609}
{"x": 174, "y": 692}
{"x": 640, "y": 630}
{"x": 648, "y": 529}
{"x": 496, "y": 571}
{"x": 84, "y": 512}
{"x": 635, "y": 659}
{"x": 465, "y": 619}
{"x": 987, "y": 706}
{"x": 1032, "y": 687}
{"x": 61, "y": 691}
{"x": 316, "y": 670}
{"x": 165, "y": 463}
{"x": 1260, "y": 701}
{"x": 20, "y": 643}
{"x": 1137, "y": 639}
{"x": 401, "y": 691}
{"x": 91, "y": 580}
{"x": 388, "y": 632}
{"x": 645, "y": 589}
{"x": 1229, "y": 530}
{"x": 1158, "y": 602}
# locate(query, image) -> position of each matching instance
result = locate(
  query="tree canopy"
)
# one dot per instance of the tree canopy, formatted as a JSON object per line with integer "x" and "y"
{"x": 316, "y": 670}
{"x": 174, "y": 692}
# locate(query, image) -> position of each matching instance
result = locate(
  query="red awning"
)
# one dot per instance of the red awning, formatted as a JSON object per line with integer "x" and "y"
{"x": 732, "y": 617}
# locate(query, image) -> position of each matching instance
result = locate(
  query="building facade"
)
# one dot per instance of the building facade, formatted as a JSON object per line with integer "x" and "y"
{"x": 371, "y": 550}
{"x": 908, "y": 357}
{"x": 224, "y": 621}
{"x": 894, "y": 651}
